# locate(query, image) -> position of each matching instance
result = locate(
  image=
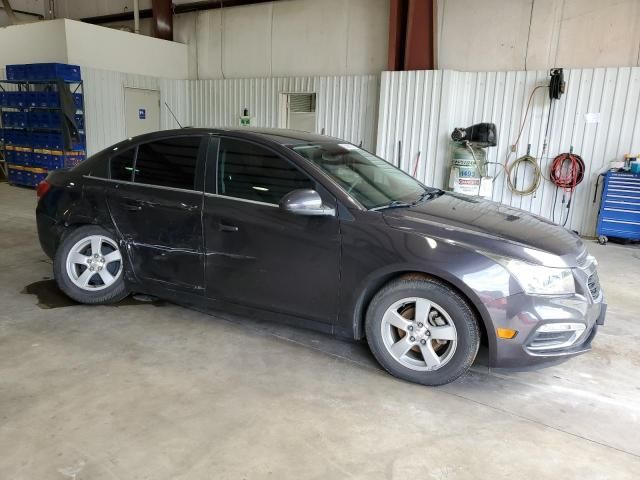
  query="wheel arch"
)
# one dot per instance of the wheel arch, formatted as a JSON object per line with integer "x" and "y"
{"x": 373, "y": 285}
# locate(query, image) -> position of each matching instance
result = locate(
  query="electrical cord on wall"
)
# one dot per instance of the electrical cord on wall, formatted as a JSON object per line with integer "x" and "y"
{"x": 512, "y": 180}
{"x": 520, "y": 130}
{"x": 567, "y": 172}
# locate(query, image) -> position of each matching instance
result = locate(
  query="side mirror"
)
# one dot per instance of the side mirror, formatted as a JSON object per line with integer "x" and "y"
{"x": 305, "y": 202}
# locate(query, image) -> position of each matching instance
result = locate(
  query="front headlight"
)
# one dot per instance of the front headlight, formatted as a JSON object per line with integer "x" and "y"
{"x": 539, "y": 280}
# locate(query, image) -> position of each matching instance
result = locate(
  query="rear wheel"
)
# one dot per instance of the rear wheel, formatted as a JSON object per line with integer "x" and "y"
{"x": 422, "y": 331}
{"x": 89, "y": 268}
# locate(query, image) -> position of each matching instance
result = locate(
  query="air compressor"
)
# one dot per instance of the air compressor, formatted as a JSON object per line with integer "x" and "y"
{"x": 469, "y": 158}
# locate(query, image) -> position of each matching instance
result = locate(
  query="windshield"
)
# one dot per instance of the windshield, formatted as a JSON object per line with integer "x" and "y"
{"x": 367, "y": 178}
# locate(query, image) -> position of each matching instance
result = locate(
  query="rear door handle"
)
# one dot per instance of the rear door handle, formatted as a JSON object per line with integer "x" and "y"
{"x": 133, "y": 205}
{"x": 228, "y": 228}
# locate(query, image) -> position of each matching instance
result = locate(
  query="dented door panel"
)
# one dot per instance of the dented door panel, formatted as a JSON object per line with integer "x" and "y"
{"x": 162, "y": 232}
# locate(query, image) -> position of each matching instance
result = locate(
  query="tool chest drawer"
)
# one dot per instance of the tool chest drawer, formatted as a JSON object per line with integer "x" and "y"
{"x": 620, "y": 207}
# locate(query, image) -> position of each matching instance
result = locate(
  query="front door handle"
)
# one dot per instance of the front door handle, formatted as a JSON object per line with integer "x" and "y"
{"x": 228, "y": 228}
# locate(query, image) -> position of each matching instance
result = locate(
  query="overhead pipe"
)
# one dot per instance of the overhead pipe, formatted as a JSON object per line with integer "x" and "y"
{"x": 136, "y": 16}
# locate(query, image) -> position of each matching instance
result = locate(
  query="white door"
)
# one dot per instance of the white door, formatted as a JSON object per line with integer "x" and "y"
{"x": 141, "y": 111}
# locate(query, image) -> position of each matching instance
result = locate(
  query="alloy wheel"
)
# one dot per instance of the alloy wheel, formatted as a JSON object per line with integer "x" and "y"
{"x": 419, "y": 334}
{"x": 94, "y": 263}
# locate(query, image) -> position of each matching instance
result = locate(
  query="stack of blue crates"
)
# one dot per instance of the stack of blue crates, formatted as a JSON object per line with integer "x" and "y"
{"x": 44, "y": 72}
{"x": 32, "y": 128}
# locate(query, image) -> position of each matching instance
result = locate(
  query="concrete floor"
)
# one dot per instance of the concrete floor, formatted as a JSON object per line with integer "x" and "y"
{"x": 139, "y": 391}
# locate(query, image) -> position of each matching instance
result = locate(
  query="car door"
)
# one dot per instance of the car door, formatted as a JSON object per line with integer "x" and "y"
{"x": 257, "y": 254}
{"x": 155, "y": 200}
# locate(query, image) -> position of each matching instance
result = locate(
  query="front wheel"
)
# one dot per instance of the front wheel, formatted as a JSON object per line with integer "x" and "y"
{"x": 89, "y": 267}
{"x": 422, "y": 331}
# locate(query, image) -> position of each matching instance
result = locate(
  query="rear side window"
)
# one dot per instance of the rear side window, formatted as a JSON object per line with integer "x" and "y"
{"x": 170, "y": 162}
{"x": 252, "y": 172}
{"x": 122, "y": 165}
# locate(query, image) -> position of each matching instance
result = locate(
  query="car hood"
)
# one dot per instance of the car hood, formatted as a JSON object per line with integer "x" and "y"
{"x": 489, "y": 226}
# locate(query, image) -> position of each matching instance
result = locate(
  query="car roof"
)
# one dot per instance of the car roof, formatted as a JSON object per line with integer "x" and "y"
{"x": 276, "y": 135}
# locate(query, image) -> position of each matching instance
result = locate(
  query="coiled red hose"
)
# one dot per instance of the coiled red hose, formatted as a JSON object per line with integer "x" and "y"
{"x": 567, "y": 171}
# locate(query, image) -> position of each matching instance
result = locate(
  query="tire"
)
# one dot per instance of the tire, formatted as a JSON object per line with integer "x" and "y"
{"x": 602, "y": 240}
{"x": 449, "y": 338}
{"x": 74, "y": 259}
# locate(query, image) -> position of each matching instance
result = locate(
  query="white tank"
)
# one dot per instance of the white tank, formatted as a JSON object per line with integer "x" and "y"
{"x": 465, "y": 176}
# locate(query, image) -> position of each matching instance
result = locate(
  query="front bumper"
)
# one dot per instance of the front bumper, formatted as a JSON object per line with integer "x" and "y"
{"x": 527, "y": 313}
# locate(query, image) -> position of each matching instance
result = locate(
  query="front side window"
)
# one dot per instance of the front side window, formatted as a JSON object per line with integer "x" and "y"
{"x": 252, "y": 172}
{"x": 369, "y": 179}
{"x": 121, "y": 165}
{"x": 170, "y": 162}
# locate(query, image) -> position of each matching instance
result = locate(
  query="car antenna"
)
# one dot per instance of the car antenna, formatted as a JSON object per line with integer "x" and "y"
{"x": 171, "y": 112}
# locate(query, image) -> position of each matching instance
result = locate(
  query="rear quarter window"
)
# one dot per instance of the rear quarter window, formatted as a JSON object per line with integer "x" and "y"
{"x": 121, "y": 165}
{"x": 170, "y": 162}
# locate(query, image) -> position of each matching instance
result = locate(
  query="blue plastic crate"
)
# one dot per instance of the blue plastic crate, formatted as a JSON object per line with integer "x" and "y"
{"x": 55, "y": 141}
{"x": 17, "y": 72}
{"x": 45, "y": 119}
{"x": 41, "y": 99}
{"x": 53, "y": 71}
{"x": 49, "y": 99}
{"x": 39, "y": 140}
{"x": 37, "y": 159}
{"x": 48, "y": 161}
{"x": 15, "y": 119}
{"x": 37, "y": 177}
{"x": 8, "y": 137}
{"x": 35, "y": 118}
{"x": 15, "y": 99}
{"x": 11, "y": 156}
{"x": 52, "y": 120}
{"x": 24, "y": 158}
{"x": 20, "y": 119}
{"x": 77, "y": 100}
{"x": 17, "y": 176}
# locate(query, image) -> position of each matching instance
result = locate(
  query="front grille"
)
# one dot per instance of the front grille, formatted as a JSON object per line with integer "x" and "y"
{"x": 594, "y": 285}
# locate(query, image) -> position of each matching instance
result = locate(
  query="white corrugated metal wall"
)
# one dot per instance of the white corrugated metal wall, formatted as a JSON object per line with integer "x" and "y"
{"x": 104, "y": 103}
{"x": 346, "y": 105}
{"x": 419, "y": 109}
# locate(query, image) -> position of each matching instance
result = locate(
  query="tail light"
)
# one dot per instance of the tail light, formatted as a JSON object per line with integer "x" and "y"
{"x": 43, "y": 188}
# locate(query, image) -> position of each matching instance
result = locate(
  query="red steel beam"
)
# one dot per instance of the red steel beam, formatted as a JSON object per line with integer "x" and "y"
{"x": 397, "y": 33}
{"x": 411, "y": 35}
{"x": 162, "y": 12}
{"x": 418, "y": 53}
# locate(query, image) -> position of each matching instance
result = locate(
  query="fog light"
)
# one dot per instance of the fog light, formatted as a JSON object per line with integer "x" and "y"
{"x": 506, "y": 333}
{"x": 552, "y": 336}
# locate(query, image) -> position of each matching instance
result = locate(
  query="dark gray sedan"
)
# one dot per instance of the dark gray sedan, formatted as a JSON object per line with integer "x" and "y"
{"x": 314, "y": 231}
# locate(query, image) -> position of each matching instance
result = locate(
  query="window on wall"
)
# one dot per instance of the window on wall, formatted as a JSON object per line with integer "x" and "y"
{"x": 170, "y": 162}
{"x": 121, "y": 165}
{"x": 252, "y": 172}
